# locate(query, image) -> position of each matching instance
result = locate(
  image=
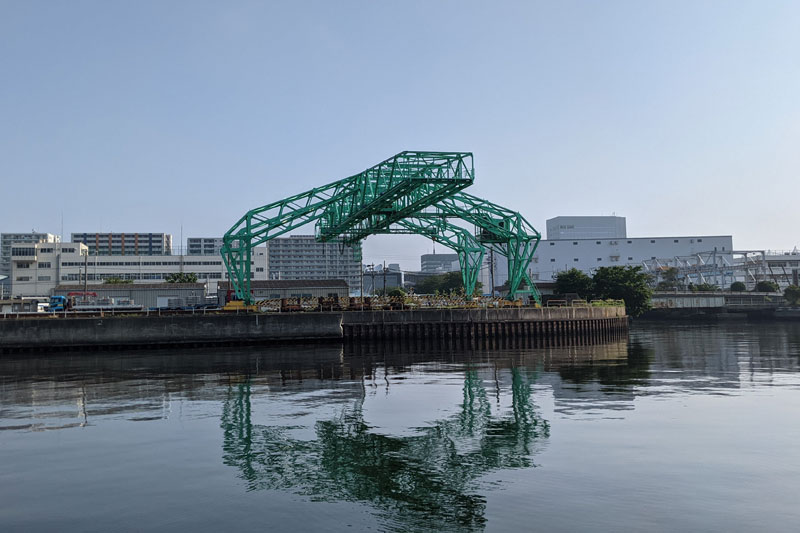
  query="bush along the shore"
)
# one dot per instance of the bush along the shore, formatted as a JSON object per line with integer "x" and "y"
{"x": 626, "y": 283}
{"x": 792, "y": 295}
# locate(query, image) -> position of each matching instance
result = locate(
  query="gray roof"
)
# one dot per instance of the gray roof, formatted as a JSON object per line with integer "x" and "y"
{"x": 292, "y": 284}
{"x": 125, "y": 286}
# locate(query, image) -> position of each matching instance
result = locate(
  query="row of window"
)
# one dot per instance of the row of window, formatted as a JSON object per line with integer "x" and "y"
{"x": 135, "y": 276}
{"x": 652, "y": 241}
{"x": 142, "y": 263}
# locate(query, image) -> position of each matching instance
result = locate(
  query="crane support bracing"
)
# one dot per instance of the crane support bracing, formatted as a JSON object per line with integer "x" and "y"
{"x": 411, "y": 192}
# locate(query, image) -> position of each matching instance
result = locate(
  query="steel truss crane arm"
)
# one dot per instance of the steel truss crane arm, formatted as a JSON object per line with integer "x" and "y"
{"x": 267, "y": 222}
{"x": 470, "y": 252}
{"x": 504, "y": 230}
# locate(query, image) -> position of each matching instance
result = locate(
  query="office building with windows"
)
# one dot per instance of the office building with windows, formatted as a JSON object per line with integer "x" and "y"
{"x": 203, "y": 245}
{"x": 7, "y": 240}
{"x": 36, "y": 269}
{"x": 125, "y": 243}
{"x": 302, "y": 257}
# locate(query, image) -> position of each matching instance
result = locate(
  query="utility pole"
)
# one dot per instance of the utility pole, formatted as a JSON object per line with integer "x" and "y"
{"x": 491, "y": 270}
{"x": 384, "y": 277}
{"x": 372, "y": 267}
{"x": 85, "y": 273}
{"x": 361, "y": 294}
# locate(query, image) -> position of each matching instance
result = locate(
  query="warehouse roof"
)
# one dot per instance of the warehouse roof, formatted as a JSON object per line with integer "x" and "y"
{"x": 126, "y": 286}
{"x": 291, "y": 284}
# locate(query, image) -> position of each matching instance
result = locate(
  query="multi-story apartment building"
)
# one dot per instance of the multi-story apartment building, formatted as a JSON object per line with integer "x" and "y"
{"x": 439, "y": 263}
{"x": 38, "y": 268}
{"x": 125, "y": 243}
{"x": 203, "y": 245}
{"x": 302, "y": 257}
{"x": 7, "y": 240}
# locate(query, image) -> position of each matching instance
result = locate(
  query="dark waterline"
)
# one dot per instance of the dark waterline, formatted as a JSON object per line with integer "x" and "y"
{"x": 678, "y": 428}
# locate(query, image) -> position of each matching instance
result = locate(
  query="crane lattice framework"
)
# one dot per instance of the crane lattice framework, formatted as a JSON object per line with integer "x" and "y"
{"x": 412, "y": 192}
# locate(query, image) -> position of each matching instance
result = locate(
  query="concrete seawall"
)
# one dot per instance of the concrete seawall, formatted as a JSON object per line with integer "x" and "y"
{"x": 547, "y": 325}
{"x": 59, "y": 333}
{"x": 526, "y": 326}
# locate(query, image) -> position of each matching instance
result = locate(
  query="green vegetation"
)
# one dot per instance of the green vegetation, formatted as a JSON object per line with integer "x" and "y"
{"x": 117, "y": 281}
{"x": 391, "y": 291}
{"x": 444, "y": 284}
{"x": 627, "y": 283}
{"x": 703, "y": 287}
{"x": 766, "y": 286}
{"x": 182, "y": 277}
{"x": 792, "y": 295}
{"x": 738, "y": 286}
{"x": 670, "y": 280}
{"x": 575, "y": 281}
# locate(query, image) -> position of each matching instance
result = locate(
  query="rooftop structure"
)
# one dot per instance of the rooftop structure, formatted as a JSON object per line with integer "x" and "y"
{"x": 603, "y": 227}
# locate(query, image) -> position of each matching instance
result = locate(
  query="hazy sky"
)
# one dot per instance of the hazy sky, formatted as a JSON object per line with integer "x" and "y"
{"x": 145, "y": 116}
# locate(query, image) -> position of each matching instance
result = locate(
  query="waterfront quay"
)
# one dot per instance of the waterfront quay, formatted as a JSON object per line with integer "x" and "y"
{"x": 527, "y": 326}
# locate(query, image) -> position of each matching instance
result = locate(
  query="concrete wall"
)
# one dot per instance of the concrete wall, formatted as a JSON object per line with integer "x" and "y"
{"x": 61, "y": 332}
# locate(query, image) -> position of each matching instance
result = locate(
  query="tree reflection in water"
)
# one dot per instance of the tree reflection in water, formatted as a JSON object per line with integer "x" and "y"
{"x": 427, "y": 480}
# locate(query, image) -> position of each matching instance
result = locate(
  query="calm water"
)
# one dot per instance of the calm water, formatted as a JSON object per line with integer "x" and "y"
{"x": 677, "y": 429}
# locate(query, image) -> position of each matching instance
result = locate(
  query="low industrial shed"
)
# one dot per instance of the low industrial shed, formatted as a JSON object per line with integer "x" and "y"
{"x": 290, "y": 288}
{"x": 148, "y": 295}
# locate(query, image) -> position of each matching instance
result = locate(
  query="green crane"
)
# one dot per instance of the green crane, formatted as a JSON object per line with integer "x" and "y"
{"x": 411, "y": 192}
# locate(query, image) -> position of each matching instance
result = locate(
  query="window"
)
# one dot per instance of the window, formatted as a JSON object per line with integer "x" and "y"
{"x": 652, "y": 241}
{"x": 599, "y": 258}
{"x": 552, "y": 244}
{"x": 23, "y": 278}
{"x": 553, "y": 260}
{"x": 699, "y": 240}
{"x": 630, "y": 242}
{"x": 630, "y": 258}
{"x": 44, "y": 264}
{"x": 23, "y": 252}
{"x": 46, "y": 250}
{"x": 574, "y": 242}
{"x": 597, "y": 242}
{"x": 676, "y": 241}
{"x": 23, "y": 265}
{"x": 576, "y": 259}
{"x": 259, "y": 269}
{"x": 44, "y": 278}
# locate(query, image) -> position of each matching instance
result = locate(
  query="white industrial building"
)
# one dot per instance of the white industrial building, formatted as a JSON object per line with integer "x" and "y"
{"x": 586, "y": 250}
{"x": 36, "y": 269}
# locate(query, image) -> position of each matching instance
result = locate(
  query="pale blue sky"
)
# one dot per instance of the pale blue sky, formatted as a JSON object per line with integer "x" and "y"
{"x": 142, "y": 116}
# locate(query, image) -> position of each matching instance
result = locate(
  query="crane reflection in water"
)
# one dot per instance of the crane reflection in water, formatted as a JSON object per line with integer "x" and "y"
{"x": 428, "y": 479}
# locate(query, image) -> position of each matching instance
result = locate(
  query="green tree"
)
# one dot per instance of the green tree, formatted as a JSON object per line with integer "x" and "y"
{"x": 792, "y": 295}
{"x": 443, "y": 284}
{"x": 766, "y": 286}
{"x": 575, "y": 281}
{"x": 182, "y": 277}
{"x": 669, "y": 280}
{"x": 738, "y": 286}
{"x": 626, "y": 283}
{"x": 117, "y": 281}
